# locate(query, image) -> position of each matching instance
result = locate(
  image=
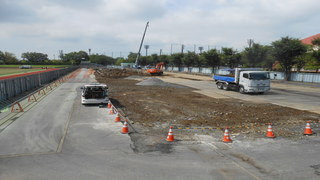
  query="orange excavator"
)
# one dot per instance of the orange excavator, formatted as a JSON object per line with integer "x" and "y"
{"x": 158, "y": 70}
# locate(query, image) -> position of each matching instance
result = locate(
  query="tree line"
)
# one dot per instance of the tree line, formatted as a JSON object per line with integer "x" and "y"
{"x": 283, "y": 55}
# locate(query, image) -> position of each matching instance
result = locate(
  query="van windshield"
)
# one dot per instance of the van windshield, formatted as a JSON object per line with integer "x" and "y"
{"x": 94, "y": 93}
{"x": 259, "y": 76}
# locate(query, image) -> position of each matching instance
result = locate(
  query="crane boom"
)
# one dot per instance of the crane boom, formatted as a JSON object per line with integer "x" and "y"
{"x": 138, "y": 55}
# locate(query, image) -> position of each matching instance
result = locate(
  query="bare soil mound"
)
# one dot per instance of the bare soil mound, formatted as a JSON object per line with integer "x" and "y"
{"x": 157, "y": 105}
{"x": 118, "y": 73}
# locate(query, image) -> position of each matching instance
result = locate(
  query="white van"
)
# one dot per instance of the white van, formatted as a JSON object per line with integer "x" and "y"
{"x": 94, "y": 93}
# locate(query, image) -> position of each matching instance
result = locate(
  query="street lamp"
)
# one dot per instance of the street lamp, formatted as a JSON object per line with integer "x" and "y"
{"x": 200, "y": 49}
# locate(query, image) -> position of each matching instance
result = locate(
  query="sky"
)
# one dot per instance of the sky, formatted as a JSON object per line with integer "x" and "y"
{"x": 115, "y": 27}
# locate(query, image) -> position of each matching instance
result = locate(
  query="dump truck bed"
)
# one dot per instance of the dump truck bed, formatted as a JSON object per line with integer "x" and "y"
{"x": 223, "y": 78}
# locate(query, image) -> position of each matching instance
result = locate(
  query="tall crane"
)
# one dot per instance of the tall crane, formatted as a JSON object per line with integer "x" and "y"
{"x": 138, "y": 55}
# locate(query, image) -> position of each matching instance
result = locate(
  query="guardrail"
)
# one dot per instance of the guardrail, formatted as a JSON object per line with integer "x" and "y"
{"x": 10, "y": 88}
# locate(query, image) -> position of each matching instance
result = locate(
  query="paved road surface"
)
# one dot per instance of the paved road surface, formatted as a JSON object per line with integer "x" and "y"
{"x": 61, "y": 139}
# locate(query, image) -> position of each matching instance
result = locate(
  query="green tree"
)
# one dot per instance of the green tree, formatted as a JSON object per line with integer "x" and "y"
{"x": 8, "y": 58}
{"x": 285, "y": 51}
{"x": 301, "y": 61}
{"x": 101, "y": 59}
{"x": 316, "y": 53}
{"x": 132, "y": 58}
{"x": 164, "y": 58}
{"x": 2, "y": 57}
{"x": 34, "y": 57}
{"x": 176, "y": 59}
{"x": 198, "y": 61}
{"x": 188, "y": 59}
{"x": 143, "y": 61}
{"x": 76, "y": 57}
{"x": 132, "y": 55}
{"x": 230, "y": 57}
{"x": 211, "y": 58}
{"x": 155, "y": 59}
{"x": 255, "y": 55}
{"x": 269, "y": 60}
{"x": 120, "y": 60}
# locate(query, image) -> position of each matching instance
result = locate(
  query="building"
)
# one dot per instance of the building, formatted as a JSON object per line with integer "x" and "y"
{"x": 308, "y": 40}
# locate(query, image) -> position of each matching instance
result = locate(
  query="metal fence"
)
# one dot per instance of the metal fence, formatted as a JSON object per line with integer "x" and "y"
{"x": 10, "y": 88}
{"x": 295, "y": 76}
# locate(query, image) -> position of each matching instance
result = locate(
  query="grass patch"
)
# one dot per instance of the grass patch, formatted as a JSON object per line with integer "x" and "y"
{"x": 13, "y": 71}
{"x": 35, "y": 66}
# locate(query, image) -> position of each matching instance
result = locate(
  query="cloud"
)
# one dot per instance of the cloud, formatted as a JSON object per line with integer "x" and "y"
{"x": 14, "y": 11}
{"x": 109, "y": 26}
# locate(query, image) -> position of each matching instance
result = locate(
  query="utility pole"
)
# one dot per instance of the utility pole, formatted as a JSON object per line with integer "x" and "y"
{"x": 138, "y": 55}
{"x": 250, "y": 42}
{"x": 182, "y": 47}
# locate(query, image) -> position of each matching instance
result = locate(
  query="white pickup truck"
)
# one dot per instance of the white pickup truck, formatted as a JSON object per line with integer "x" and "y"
{"x": 244, "y": 80}
{"x": 94, "y": 93}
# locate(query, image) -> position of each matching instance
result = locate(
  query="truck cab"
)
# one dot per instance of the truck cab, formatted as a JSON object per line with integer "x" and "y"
{"x": 254, "y": 81}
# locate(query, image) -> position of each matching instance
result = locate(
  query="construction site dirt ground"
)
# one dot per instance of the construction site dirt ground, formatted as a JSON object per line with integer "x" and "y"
{"x": 152, "y": 106}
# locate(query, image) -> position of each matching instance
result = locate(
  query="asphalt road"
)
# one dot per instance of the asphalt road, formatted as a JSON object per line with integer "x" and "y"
{"x": 61, "y": 139}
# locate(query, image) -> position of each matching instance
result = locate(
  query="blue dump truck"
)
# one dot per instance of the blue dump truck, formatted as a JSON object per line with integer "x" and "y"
{"x": 244, "y": 80}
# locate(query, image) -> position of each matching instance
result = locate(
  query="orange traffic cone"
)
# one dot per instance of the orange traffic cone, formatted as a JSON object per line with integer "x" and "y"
{"x": 111, "y": 111}
{"x": 109, "y": 104}
{"x": 170, "y": 137}
{"x": 125, "y": 129}
{"x": 270, "y": 132}
{"x": 308, "y": 130}
{"x": 226, "y": 136}
{"x": 118, "y": 119}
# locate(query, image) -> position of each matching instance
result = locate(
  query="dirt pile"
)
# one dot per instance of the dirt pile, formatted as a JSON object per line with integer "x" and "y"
{"x": 118, "y": 73}
{"x": 153, "y": 105}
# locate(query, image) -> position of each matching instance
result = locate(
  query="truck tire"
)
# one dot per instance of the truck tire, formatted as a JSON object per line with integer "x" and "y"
{"x": 225, "y": 87}
{"x": 219, "y": 85}
{"x": 241, "y": 89}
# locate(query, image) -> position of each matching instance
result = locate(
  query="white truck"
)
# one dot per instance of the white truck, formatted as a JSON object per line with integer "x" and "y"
{"x": 244, "y": 80}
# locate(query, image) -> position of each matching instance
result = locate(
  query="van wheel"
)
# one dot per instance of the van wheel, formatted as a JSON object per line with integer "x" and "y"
{"x": 241, "y": 89}
{"x": 219, "y": 85}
